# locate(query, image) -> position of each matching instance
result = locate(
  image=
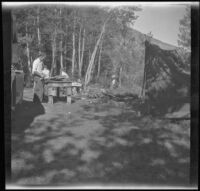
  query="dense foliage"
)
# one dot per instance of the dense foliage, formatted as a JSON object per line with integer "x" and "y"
{"x": 184, "y": 35}
{"x": 89, "y": 43}
{"x": 185, "y": 30}
{"x": 79, "y": 40}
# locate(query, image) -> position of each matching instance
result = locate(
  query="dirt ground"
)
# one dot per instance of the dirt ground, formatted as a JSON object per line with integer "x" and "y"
{"x": 89, "y": 143}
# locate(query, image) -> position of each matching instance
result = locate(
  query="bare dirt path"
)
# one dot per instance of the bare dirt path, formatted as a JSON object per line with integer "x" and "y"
{"x": 96, "y": 143}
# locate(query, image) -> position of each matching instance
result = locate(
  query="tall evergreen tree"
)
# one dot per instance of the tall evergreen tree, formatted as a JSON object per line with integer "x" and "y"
{"x": 185, "y": 30}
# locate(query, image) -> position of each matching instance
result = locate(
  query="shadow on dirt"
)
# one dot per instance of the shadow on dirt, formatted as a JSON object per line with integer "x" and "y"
{"x": 26, "y": 112}
{"x": 105, "y": 145}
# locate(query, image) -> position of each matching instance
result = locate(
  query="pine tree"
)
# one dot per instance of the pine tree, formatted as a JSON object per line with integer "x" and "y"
{"x": 185, "y": 30}
{"x": 184, "y": 40}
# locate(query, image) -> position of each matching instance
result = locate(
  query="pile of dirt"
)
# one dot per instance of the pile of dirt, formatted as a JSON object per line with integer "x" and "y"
{"x": 101, "y": 95}
{"x": 94, "y": 92}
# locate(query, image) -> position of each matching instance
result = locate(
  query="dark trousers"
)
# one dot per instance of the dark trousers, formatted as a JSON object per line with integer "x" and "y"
{"x": 38, "y": 89}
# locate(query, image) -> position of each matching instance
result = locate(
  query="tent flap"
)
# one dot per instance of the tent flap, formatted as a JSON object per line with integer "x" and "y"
{"x": 167, "y": 85}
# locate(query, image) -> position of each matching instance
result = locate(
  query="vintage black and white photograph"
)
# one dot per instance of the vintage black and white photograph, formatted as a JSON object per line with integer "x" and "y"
{"x": 100, "y": 94}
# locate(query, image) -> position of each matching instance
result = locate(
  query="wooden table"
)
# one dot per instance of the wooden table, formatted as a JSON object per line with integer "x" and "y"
{"x": 53, "y": 85}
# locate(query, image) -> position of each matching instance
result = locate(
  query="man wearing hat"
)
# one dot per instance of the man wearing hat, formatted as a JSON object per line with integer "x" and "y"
{"x": 38, "y": 76}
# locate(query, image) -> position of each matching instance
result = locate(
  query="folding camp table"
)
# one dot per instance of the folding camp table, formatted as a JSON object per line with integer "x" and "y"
{"x": 53, "y": 85}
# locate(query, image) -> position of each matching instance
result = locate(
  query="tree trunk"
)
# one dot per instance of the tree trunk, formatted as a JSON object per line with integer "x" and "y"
{"x": 65, "y": 55}
{"x": 38, "y": 29}
{"x": 53, "y": 53}
{"x": 91, "y": 62}
{"x": 82, "y": 54}
{"x": 61, "y": 57}
{"x": 99, "y": 62}
{"x": 65, "y": 50}
{"x": 28, "y": 82}
{"x": 53, "y": 56}
{"x": 27, "y": 49}
{"x": 61, "y": 46}
{"x": 79, "y": 50}
{"x": 74, "y": 51}
{"x": 89, "y": 56}
{"x": 54, "y": 37}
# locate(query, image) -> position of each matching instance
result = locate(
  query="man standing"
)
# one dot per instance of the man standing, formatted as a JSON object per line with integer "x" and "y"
{"x": 38, "y": 76}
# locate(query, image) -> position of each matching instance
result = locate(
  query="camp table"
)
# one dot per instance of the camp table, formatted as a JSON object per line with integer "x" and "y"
{"x": 53, "y": 84}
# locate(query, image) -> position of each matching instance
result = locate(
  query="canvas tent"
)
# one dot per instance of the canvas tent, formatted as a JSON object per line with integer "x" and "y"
{"x": 166, "y": 84}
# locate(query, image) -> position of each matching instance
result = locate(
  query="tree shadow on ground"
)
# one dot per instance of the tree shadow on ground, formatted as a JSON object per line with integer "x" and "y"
{"x": 26, "y": 112}
{"x": 22, "y": 118}
{"x": 102, "y": 144}
{"x": 147, "y": 151}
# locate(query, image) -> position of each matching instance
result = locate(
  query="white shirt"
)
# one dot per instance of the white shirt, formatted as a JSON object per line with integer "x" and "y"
{"x": 46, "y": 72}
{"x": 37, "y": 66}
{"x": 64, "y": 74}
